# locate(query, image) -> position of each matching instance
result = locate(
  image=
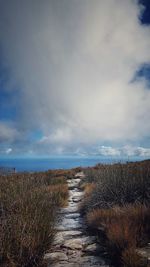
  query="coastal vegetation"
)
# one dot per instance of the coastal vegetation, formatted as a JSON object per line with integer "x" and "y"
{"x": 117, "y": 207}
{"x": 28, "y": 214}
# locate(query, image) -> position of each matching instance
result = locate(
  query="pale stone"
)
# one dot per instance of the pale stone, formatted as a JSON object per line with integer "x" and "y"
{"x": 55, "y": 256}
{"x": 88, "y": 240}
{"x": 80, "y": 174}
{"x": 69, "y": 224}
{"x": 92, "y": 248}
{"x": 72, "y": 215}
{"x": 69, "y": 210}
{"x": 145, "y": 253}
{"x": 71, "y": 233}
{"x": 73, "y": 243}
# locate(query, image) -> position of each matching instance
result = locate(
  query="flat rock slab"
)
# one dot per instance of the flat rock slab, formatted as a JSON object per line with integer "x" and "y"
{"x": 69, "y": 224}
{"x": 71, "y": 233}
{"x": 74, "y": 181}
{"x": 69, "y": 210}
{"x": 80, "y": 243}
{"x": 80, "y": 175}
{"x": 88, "y": 240}
{"x": 91, "y": 249}
{"x": 72, "y": 215}
{"x": 61, "y": 237}
{"x": 77, "y": 194}
{"x": 55, "y": 256}
{"x": 73, "y": 244}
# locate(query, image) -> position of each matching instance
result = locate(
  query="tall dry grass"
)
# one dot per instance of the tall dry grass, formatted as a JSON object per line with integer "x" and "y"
{"x": 120, "y": 206}
{"x": 125, "y": 227}
{"x": 28, "y": 213}
{"x": 118, "y": 184}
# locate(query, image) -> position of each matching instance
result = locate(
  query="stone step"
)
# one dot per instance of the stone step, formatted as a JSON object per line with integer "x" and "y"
{"x": 69, "y": 223}
{"x": 72, "y": 215}
{"x": 69, "y": 210}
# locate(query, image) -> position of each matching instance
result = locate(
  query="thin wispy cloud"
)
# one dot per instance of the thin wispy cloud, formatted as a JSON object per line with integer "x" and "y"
{"x": 71, "y": 68}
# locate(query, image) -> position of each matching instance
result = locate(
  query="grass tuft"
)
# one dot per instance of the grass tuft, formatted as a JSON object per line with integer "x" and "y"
{"x": 28, "y": 213}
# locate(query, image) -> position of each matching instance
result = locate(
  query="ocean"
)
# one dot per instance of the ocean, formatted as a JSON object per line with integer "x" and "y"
{"x": 43, "y": 164}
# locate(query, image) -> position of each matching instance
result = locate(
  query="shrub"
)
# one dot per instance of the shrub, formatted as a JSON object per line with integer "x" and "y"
{"x": 119, "y": 206}
{"x": 29, "y": 204}
{"x": 118, "y": 184}
{"x": 125, "y": 227}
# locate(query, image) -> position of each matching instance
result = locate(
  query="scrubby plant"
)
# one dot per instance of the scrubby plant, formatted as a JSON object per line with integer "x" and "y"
{"x": 28, "y": 213}
{"x": 119, "y": 184}
{"x": 130, "y": 258}
{"x": 119, "y": 206}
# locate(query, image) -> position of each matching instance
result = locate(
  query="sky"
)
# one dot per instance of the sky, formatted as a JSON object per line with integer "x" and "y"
{"x": 74, "y": 78}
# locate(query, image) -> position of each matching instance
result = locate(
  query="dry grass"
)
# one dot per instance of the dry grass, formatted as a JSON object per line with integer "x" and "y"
{"x": 130, "y": 258}
{"x": 119, "y": 204}
{"x": 28, "y": 213}
{"x": 89, "y": 188}
{"x": 126, "y": 227}
{"x": 119, "y": 184}
{"x": 63, "y": 173}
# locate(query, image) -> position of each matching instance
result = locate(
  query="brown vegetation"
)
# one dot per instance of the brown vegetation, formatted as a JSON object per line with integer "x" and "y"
{"x": 28, "y": 213}
{"x": 120, "y": 206}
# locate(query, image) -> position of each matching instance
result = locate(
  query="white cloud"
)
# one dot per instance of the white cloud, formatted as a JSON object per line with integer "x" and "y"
{"x": 8, "y": 150}
{"x": 136, "y": 151}
{"x": 58, "y": 137}
{"x": 127, "y": 151}
{"x": 143, "y": 152}
{"x": 109, "y": 151}
{"x": 74, "y": 61}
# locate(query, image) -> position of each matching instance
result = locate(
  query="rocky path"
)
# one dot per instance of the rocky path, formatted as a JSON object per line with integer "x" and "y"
{"x": 72, "y": 246}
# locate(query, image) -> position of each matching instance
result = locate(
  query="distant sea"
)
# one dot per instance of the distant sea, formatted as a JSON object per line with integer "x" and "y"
{"x": 38, "y": 164}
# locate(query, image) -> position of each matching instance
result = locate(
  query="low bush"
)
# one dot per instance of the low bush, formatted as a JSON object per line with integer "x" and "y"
{"x": 118, "y": 184}
{"x": 126, "y": 227}
{"x": 119, "y": 205}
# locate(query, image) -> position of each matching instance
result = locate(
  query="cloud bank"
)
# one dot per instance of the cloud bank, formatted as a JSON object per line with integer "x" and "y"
{"x": 73, "y": 63}
{"x": 126, "y": 151}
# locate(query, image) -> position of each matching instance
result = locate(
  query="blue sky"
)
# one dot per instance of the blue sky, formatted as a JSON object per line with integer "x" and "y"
{"x": 74, "y": 78}
{"x": 145, "y": 19}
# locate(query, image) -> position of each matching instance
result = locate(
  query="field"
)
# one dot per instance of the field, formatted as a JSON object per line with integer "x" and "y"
{"x": 28, "y": 214}
{"x": 117, "y": 207}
